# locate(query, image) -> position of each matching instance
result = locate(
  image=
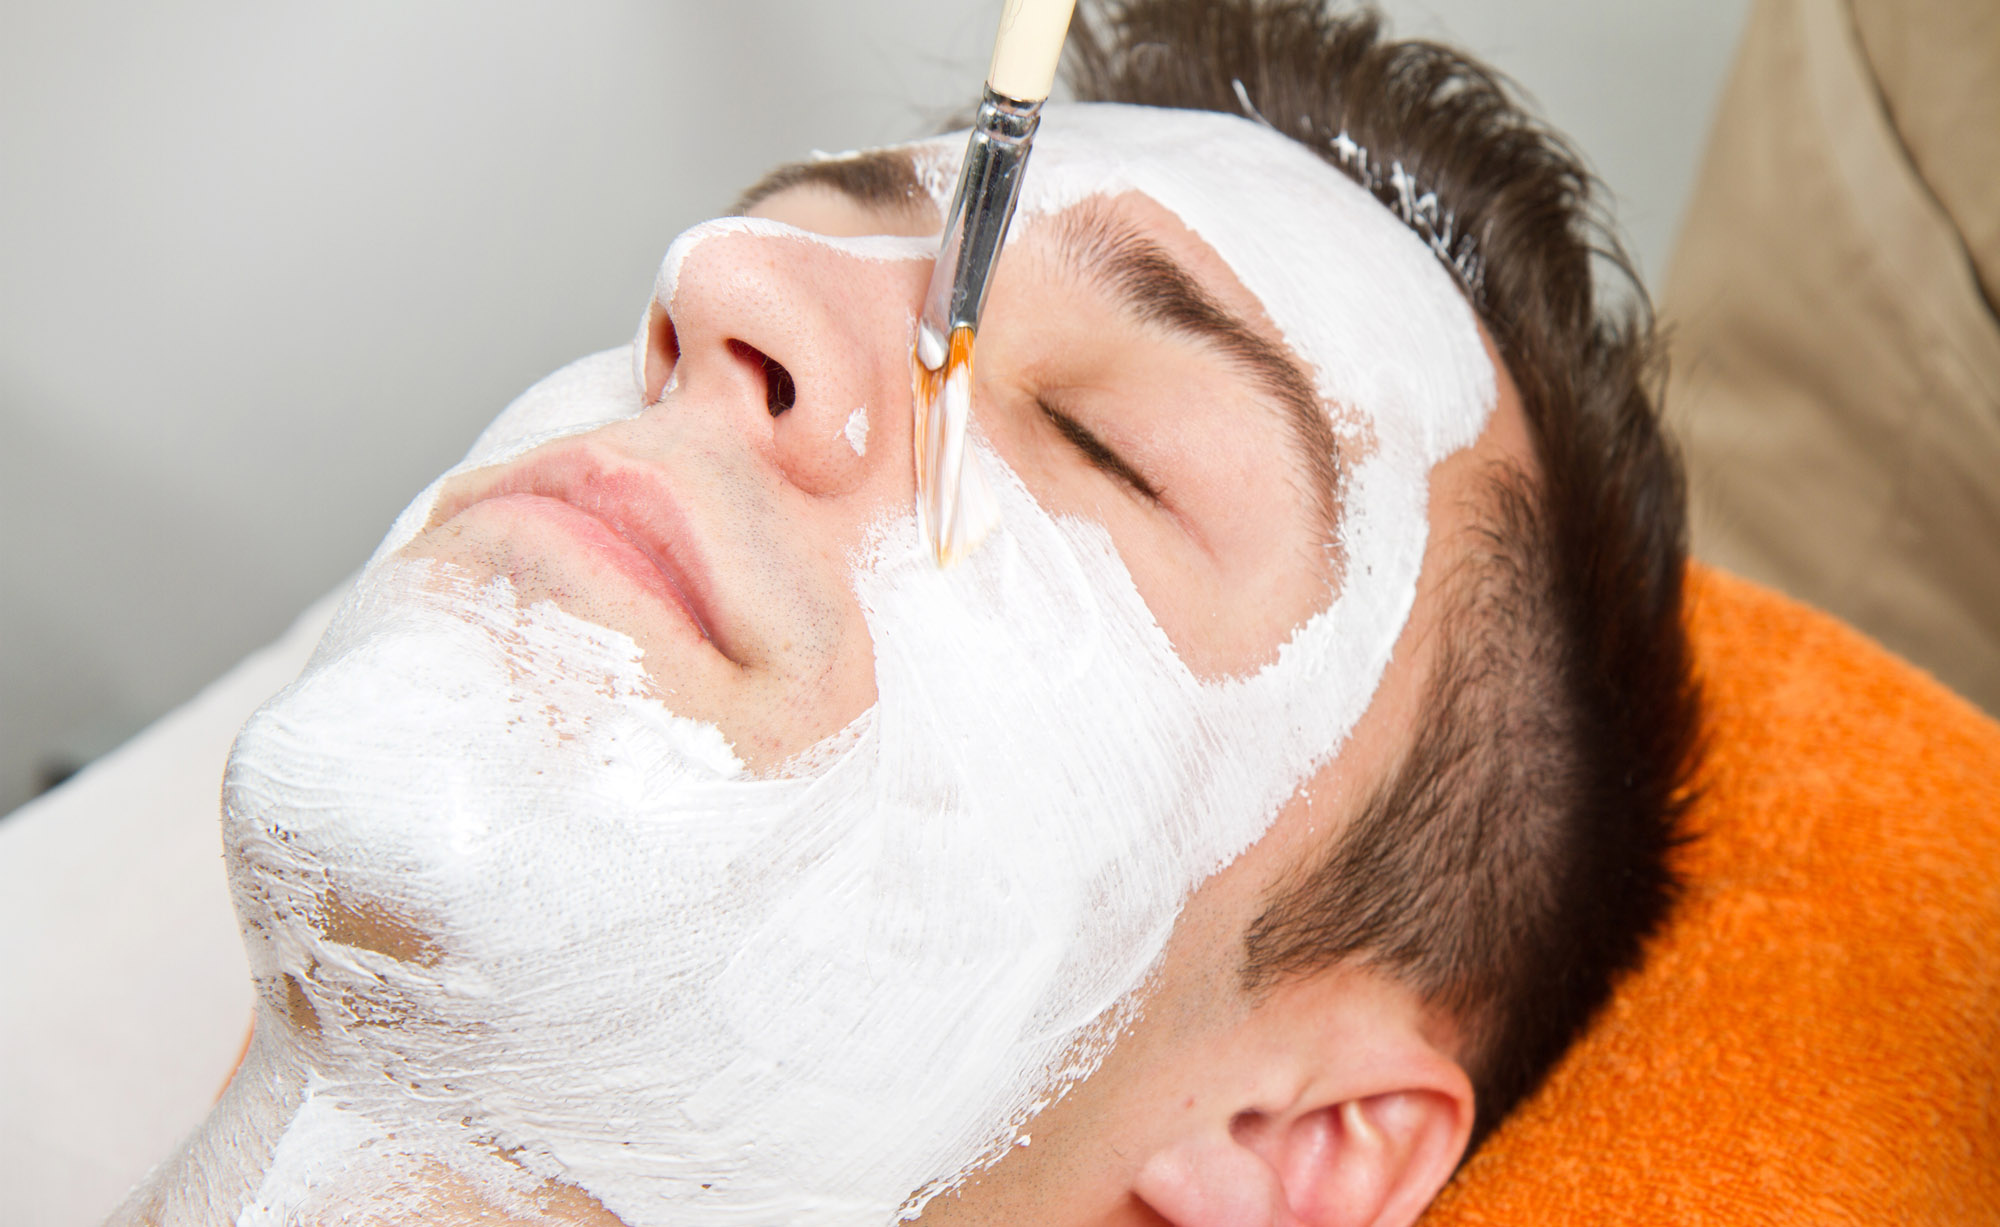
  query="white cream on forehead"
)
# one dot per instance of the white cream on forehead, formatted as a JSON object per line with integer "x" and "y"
{"x": 701, "y": 996}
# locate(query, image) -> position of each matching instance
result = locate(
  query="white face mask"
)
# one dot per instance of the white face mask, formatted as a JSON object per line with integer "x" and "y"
{"x": 606, "y": 952}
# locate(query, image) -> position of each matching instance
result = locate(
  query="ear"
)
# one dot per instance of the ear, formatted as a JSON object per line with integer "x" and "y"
{"x": 1375, "y": 1159}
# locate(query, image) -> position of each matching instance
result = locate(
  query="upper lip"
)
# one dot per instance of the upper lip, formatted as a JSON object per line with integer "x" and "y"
{"x": 630, "y": 498}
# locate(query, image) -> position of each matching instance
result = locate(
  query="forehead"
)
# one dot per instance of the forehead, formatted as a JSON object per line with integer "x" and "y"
{"x": 1376, "y": 320}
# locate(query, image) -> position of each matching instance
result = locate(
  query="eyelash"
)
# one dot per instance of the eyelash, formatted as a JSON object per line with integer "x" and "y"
{"x": 1094, "y": 450}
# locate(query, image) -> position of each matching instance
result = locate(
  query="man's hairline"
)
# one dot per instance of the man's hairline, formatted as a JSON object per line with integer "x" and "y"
{"x": 1444, "y": 682}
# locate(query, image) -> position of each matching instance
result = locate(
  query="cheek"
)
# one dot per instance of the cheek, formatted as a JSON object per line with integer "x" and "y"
{"x": 1230, "y": 563}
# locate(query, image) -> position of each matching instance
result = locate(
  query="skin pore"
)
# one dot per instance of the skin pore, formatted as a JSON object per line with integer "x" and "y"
{"x": 1330, "y": 1100}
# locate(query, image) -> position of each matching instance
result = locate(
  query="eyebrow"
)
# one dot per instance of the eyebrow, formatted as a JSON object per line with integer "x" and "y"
{"x": 1144, "y": 279}
{"x": 878, "y": 179}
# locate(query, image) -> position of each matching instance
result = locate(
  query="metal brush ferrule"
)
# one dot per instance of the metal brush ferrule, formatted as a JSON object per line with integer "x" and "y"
{"x": 988, "y": 185}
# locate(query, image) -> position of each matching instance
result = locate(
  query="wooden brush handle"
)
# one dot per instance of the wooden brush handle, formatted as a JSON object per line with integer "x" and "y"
{"x": 1027, "y": 48}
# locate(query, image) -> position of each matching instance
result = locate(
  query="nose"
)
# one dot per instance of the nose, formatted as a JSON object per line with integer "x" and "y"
{"x": 799, "y": 342}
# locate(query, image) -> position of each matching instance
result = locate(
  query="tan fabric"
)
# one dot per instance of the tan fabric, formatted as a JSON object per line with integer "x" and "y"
{"x": 1937, "y": 65}
{"x": 1836, "y": 378}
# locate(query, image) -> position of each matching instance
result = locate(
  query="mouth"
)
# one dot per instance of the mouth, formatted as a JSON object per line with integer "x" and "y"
{"x": 621, "y": 513}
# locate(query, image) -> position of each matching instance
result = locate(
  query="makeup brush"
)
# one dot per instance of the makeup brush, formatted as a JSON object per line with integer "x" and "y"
{"x": 955, "y": 507}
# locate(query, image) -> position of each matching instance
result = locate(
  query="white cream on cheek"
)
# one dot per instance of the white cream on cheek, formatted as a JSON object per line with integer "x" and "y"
{"x": 705, "y": 997}
{"x": 856, "y": 431}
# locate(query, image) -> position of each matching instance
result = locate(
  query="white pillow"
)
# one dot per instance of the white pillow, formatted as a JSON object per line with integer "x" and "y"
{"x": 124, "y": 996}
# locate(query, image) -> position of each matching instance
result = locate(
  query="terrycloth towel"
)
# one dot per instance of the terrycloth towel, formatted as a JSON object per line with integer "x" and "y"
{"x": 1815, "y": 1038}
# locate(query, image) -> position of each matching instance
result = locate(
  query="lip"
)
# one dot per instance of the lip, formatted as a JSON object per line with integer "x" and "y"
{"x": 622, "y": 509}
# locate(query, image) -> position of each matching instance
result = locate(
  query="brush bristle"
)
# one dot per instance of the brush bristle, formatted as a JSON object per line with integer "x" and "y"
{"x": 956, "y": 508}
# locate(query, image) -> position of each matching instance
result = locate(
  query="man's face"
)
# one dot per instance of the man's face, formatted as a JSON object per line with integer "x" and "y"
{"x": 953, "y": 818}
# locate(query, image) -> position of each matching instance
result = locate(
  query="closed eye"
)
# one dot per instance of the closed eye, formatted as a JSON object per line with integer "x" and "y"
{"x": 1100, "y": 457}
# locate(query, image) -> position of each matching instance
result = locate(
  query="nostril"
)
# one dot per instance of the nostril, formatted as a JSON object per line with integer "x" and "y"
{"x": 663, "y": 353}
{"x": 780, "y": 392}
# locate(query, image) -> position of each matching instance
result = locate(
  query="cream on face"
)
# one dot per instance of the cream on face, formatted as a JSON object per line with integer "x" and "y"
{"x": 503, "y": 902}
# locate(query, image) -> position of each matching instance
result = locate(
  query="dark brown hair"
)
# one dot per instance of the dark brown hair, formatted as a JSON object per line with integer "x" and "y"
{"x": 1512, "y": 865}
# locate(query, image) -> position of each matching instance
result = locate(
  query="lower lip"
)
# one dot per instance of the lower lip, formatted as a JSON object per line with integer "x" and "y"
{"x": 605, "y": 545}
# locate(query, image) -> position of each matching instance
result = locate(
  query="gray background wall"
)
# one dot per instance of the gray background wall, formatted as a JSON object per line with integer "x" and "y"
{"x": 266, "y": 267}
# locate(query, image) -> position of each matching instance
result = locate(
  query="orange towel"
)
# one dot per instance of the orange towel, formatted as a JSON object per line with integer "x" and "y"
{"x": 1815, "y": 1039}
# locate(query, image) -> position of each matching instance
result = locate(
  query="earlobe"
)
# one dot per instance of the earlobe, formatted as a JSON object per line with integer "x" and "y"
{"x": 1370, "y": 1161}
